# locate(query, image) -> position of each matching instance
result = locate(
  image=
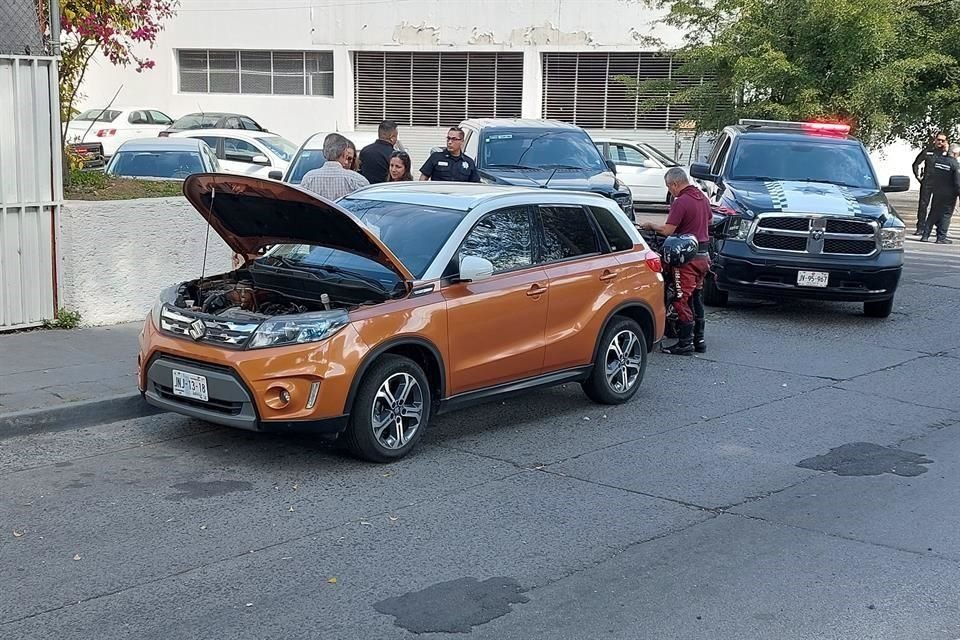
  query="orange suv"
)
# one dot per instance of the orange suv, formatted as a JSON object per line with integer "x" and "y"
{"x": 368, "y": 316}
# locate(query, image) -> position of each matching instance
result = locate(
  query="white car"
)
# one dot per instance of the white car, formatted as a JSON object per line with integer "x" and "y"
{"x": 310, "y": 154}
{"x": 246, "y": 153}
{"x": 114, "y": 126}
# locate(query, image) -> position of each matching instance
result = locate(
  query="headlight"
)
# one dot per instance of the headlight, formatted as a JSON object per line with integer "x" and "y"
{"x": 167, "y": 296}
{"x": 892, "y": 238}
{"x": 738, "y": 228}
{"x": 307, "y": 327}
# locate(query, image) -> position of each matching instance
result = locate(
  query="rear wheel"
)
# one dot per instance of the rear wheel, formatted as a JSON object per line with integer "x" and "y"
{"x": 712, "y": 296}
{"x": 620, "y": 363}
{"x": 391, "y": 410}
{"x": 878, "y": 308}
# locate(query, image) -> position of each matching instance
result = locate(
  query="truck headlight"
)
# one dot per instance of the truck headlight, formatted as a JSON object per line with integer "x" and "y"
{"x": 891, "y": 238}
{"x": 308, "y": 327}
{"x": 738, "y": 228}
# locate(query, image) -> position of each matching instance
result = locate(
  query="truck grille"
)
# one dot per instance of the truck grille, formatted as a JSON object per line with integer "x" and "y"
{"x": 814, "y": 235}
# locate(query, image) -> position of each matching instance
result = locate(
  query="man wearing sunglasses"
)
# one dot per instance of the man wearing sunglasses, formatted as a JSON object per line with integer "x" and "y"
{"x": 926, "y": 159}
{"x": 450, "y": 165}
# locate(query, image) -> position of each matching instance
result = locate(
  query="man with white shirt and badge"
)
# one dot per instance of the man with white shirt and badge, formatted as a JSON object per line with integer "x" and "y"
{"x": 451, "y": 165}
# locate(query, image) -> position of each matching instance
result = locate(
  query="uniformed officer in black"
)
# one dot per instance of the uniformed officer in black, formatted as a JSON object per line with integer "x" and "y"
{"x": 924, "y": 158}
{"x": 944, "y": 174}
{"x": 451, "y": 165}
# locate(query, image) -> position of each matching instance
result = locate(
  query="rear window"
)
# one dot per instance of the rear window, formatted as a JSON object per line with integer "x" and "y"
{"x": 567, "y": 233}
{"x": 175, "y": 165}
{"x": 98, "y": 115}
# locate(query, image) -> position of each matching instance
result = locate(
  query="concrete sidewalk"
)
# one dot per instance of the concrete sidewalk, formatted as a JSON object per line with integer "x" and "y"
{"x": 52, "y": 379}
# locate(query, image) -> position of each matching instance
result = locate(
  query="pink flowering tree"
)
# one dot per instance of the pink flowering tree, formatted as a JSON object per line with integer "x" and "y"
{"x": 119, "y": 30}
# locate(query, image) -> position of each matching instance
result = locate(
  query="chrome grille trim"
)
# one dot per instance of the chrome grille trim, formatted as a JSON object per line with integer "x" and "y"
{"x": 218, "y": 331}
{"x": 819, "y": 229}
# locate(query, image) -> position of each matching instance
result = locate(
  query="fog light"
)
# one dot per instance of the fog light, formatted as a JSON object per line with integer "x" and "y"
{"x": 278, "y": 397}
{"x": 284, "y": 396}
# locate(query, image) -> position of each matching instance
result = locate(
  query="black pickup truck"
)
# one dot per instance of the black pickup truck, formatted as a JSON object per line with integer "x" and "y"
{"x": 799, "y": 213}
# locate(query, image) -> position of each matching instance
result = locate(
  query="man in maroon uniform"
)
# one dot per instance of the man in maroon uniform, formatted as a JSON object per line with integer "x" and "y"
{"x": 689, "y": 214}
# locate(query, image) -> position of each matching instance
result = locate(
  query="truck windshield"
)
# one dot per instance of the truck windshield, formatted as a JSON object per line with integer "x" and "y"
{"x": 808, "y": 160}
{"x": 540, "y": 149}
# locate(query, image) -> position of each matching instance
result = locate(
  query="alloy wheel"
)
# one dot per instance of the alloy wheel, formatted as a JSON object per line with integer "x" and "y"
{"x": 624, "y": 361}
{"x": 397, "y": 410}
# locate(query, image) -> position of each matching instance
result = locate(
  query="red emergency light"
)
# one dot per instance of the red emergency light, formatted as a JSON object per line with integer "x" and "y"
{"x": 827, "y": 128}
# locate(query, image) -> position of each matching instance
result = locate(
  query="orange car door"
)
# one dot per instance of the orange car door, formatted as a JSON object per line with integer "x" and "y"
{"x": 582, "y": 280}
{"x": 496, "y": 324}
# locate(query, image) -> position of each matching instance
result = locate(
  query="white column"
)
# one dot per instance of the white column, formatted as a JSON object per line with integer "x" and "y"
{"x": 532, "y": 104}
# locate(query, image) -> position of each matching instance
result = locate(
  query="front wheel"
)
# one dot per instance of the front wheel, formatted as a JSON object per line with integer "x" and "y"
{"x": 620, "y": 363}
{"x": 391, "y": 410}
{"x": 878, "y": 308}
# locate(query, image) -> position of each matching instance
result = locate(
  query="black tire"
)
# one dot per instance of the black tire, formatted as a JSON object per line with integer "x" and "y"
{"x": 598, "y": 386}
{"x": 878, "y": 308}
{"x": 712, "y": 296}
{"x": 360, "y": 437}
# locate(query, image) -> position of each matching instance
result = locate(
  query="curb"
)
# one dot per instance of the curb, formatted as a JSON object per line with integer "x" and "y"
{"x": 75, "y": 415}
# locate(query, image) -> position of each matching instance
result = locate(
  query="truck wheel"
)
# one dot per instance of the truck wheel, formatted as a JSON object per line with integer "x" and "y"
{"x": 712, "y": 296}
{"x": 391, "y": 410}
{"x": 620, "y": 363}
{"x": 878, "y": 308}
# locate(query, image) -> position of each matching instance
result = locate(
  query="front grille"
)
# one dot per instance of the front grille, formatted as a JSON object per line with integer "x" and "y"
{"x": 220, "y": 406}
{"x": 814, "y": 235}
{"x": 780, "y": 243}
{"x": 784, "y": 223}
{"x": 850, "y": 247}
{"x": 849, "y": 226}
{"x": 215, "y": 331}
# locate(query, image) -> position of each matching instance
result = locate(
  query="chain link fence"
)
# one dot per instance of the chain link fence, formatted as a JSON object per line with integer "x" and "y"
{"x": 25, "y": 27}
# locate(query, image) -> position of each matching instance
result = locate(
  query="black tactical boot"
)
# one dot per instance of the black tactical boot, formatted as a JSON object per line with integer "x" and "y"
{"x": 699, "y": 343}
{"x": 684, "y": 346}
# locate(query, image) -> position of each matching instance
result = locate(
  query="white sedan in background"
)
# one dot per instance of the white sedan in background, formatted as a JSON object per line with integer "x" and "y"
{"x": 114, "y": 126}
{"x": 642, "y": 167}
{"x": 248, "y": 153}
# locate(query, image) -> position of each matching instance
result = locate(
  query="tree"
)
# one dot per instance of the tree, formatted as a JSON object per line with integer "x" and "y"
{"x": 887, "y": 67}
{"x": 116, "y": 29}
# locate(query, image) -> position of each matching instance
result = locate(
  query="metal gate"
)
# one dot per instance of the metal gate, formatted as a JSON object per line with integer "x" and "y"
{"x": 30, "y": 189}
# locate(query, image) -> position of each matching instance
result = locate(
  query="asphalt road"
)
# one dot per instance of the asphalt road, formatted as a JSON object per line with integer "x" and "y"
{"x": 799, "y": 481}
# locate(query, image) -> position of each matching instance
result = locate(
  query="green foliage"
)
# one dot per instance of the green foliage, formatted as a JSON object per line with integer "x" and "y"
{"x": 96, "y": 185}
{"x": 65, "y": 319}
{"x": 888, "y": 67}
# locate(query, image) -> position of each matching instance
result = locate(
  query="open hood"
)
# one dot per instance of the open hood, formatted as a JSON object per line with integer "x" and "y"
{"x": 252, "y": 213}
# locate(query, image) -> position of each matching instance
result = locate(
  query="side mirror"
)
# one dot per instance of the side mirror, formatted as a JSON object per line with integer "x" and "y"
{"x": 897, "y": 184}
{"x": 275, "y": 175}
{"x": 650, "y": 164}
{"x": 612, "y": 166}
{"x": 702, "y": 171}
{"x": 261, "y": 159}
{"x": 474, "y": 268}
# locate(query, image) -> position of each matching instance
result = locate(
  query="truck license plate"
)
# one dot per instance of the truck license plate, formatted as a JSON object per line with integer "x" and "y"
{"x": 813, "y": 278}
{"x": 189, "y": 385}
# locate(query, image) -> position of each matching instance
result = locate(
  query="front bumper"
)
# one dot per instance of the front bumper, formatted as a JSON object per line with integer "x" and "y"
{"x": 739, "y": 269}
{"x": 243, "y": 385}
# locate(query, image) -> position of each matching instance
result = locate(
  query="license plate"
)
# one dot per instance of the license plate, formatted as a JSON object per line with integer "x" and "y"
{"x": 189, "y": 385}
{"x": 813, "y": 278}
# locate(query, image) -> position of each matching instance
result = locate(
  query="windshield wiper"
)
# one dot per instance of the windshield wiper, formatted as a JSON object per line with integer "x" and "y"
{"x": 510, "y": 166}
{"x": 564, "y": 166}
{"x": 352, "y": 274}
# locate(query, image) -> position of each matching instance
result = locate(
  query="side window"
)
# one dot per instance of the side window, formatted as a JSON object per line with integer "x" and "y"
{"x": 716, "y": 162}
{"x": 232, "y": 123}
{"x": 158, "y": 117}
{"x": 249, "y": 124}
{"x": 504, "y": 238}
{"x": 239, "y": 150}
{"x": 616, "y": 235}
{"x": 137, "y": 117}
{"x": 471, "y": 143}
{"x": 630, "y": 155}
{"x": 567, "y": 233}
{"x": 604, "y": 151}
{"x": 212, "y": 141}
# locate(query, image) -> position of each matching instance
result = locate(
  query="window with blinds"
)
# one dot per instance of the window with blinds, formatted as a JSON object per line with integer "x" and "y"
{"x": 581, "y": 88}
{"x": 436, "y": 89}
{"x": 292, "y": 73}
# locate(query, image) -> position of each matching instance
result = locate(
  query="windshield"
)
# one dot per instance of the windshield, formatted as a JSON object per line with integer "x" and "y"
{"x": 539, "y": 149}
{"x": 659, "y": 155}
{"x": 90, "y": 115}
{"x": 175, "y": 165}
{"x": 413, "y": 233}
{"x": 283, "y": 148}
{"x": 803, "y": 161}
{"x": 308, "y": 160}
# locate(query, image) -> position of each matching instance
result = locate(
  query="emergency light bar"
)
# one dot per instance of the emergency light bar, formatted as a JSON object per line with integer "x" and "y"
{"x": 828, "y": 128}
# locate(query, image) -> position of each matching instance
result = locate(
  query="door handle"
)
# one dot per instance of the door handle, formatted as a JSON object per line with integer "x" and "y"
{"x": 609, "y": 275}
{"x": 536, "y": 290}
